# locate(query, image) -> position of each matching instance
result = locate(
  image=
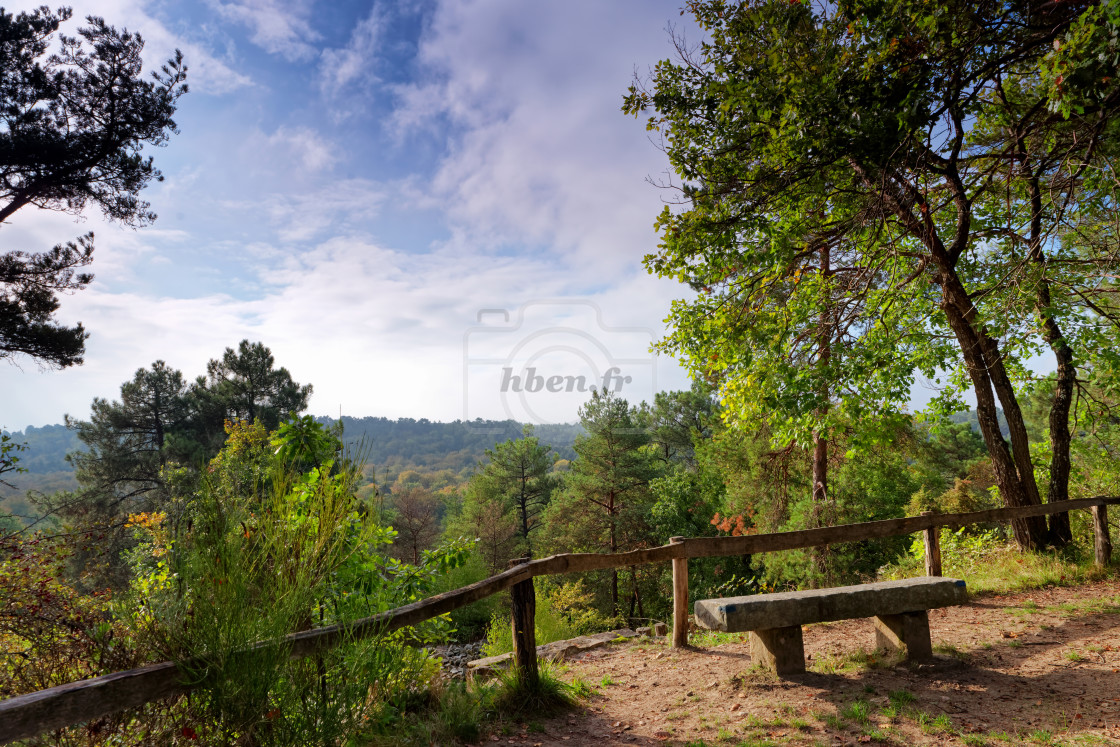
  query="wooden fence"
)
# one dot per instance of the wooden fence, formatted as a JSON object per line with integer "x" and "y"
{"x": 77, "y": 702}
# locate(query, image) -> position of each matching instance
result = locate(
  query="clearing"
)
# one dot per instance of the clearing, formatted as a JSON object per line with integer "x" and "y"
{"x": 1035, "y": 667}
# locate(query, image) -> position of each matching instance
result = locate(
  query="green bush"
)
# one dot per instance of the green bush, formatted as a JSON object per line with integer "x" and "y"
{"x": 273, "y": 541}
{"x": 470, "y": 622}
{"x": 562, "y": 612}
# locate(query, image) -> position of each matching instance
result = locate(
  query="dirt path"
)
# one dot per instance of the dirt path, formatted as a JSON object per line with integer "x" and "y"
{"x": 1040, "y": 667}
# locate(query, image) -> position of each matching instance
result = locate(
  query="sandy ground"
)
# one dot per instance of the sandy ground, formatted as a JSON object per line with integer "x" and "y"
{"x": 1040, "y": 667}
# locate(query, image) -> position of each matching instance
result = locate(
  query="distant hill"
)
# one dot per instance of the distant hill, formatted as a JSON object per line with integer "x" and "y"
{"x": 45, "y": 462}
{"x": 390, "y": 446}
{"x": 969, "y": 416}
{"x": 393, "y": 446}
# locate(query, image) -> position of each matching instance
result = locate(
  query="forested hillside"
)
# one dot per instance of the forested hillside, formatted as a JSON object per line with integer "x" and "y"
{"x": 389, "y": 447}
{"x": 392, "y": 446}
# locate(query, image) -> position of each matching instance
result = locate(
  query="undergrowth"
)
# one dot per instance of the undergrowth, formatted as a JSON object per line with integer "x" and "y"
{"x": 461, "y": 713}
{"x": 563, "y": 611}
{"x": 991, "y": 563}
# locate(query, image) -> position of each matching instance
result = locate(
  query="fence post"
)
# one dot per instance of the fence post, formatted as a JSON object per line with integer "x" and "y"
{"x": 523, "y": 621}
{"x": 932, "y": 537}
{"x": 1102, "y": 543}
{"x": 680, "y": 598}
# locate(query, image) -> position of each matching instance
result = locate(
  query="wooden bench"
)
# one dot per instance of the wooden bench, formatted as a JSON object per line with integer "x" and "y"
{"x": 900, "y": 609}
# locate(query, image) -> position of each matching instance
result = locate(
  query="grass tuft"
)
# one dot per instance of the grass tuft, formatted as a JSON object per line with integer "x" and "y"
{"x": 516, "y": 698}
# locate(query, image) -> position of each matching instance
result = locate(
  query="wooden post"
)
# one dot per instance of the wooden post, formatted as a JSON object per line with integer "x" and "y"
{"x": 933, "y": 548}
{"x": 1102, "y": 543}
{"x": 523, "y": 621}
{"x": 680, "y": 598}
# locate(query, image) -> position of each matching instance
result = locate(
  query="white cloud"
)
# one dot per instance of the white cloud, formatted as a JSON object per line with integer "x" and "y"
{"x": 337, "y": 207}
{"x": 299, "y": 147}
{"x": 339, "y": 68}
{"x": 542, "y": 154}
{"x": 377, "y": 331}
{"x": 206, "y": 72}
{"x": 277, "y": 26}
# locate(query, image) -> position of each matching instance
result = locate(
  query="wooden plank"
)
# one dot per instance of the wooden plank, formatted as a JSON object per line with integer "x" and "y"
{"x": 25, "y": 716}
{"x": 932, "y": 539}
{"x": 680, "y": 598}
{"x": 703, "y": 547}
{"x": 591, "y": 561}
{"x": 310, "y": 641}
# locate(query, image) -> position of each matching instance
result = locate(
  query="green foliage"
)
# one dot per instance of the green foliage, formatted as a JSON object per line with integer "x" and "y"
{"x": 161, "y": 421}
{"x": 606, "y": 499}
{"x": 49, "y": 633}
{"x": 518, "y": 698}
{"x": 470, "y": 622}
{"x": 244, "y": 384}
{"x": 427, "y": 447}
{"x": 259, "y": 551}
{"x": 688, "y": 504}
{"x": 10, "y": 456}
{"x": 491, "y": 523}
{"x": 563, "y": 611}
{"x": 677, "y": 421}
{"x": 1080, "y": 70}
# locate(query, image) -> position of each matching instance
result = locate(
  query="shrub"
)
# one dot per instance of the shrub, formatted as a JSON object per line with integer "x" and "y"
{"x": 273, "y": 541}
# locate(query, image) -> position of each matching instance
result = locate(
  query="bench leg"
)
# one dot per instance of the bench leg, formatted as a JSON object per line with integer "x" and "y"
{"x": 909, "y": 630}
{"x": 781, "y": 650}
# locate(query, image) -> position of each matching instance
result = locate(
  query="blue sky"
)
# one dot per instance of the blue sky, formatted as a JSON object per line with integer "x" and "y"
{"x": 402, "y": 200}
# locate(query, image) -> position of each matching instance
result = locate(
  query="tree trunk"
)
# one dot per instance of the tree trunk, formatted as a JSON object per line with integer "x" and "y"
{"x": 1060, "y": 533}
{"x": 523, "y": 503}
{"x": 981, "y": 358}
{"x": 820, "y": 439}
{"x": 614, "y": 571}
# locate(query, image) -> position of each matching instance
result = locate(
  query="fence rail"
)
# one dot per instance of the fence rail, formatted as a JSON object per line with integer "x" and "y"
{"x": 28, "y": 715}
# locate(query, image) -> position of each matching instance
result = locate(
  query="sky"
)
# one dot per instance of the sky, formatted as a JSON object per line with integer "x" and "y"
{"x": 428, "y": 209}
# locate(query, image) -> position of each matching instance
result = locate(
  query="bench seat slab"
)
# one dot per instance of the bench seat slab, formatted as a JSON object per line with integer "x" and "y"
{"x": 781, "y": 650}
{"x": 909, "y": 630}
{"x": 786, "y": 609}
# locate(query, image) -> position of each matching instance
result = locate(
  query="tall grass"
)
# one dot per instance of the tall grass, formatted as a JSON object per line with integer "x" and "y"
{"x": 989, "y": 562}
